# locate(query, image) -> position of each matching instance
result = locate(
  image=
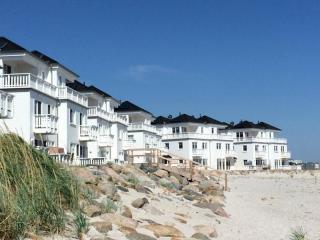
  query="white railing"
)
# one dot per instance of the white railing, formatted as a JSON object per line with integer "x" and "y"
{"x": 27, "y": 80}
{"x": 88, "y": 133}
{"x": 261, "y": 140}
{"x": 92, "y": 161}
{"x": 45, "y": 123}
{"x": 198, "y": 151}
{"x": 98, "y": 112}
{"x": 143, "y": 127}
{"x": 70, "y": 94}
{"x": 190, "y": 135}
{"x": 123, "y": 120}
{"x": 105, "y": 140}
{"x": 63, "y": 158}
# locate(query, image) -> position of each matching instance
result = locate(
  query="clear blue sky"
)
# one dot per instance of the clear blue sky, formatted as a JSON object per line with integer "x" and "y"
{"x": 232, "y": 60}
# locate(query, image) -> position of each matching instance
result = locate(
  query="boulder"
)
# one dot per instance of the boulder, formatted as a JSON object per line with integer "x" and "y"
{"x": 126, "y": 230}
{"x": 102, "y": 227}
{"x": 123, "y": 189}
{"x": 92, "y": 210}
{"x": 139, "y": 236}
{"x": 221, "y": 212}
{"x": 118, "y": 220}
{"x": 126, "y": 212}
{"x": 142, "y": 189}
{"x": 115, "y": 177}
{"x": 84, "y": 174}
{"x": 107, "y": 188}
{"x": 206, "y": 230}
{"x": 200, "y": 236}
{"x": 174, "y": 180}
{"x": 161, "y": 173}
{"x": 164, "y": 230}
{"x": 191, "y": 187}
{"x": 139, "y": 202}
{"x": 93, "y": 233}
{"x": 208, "y": 185}
{"x": 215, "y": 207}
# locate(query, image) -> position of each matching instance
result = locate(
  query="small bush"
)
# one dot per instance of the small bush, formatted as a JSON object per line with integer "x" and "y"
{"x": 132, "y": 179}
{"x": 81, "y": 223}
{"x": 168, "y": 185}
{"x": 298, "y": 234}
{"x": 109, "y": 205}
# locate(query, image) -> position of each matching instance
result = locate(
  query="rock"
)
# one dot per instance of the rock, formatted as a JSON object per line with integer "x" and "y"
{"x": 152, "y": 210}
{"x": 107, "y": 188}
{"x": 189, "y": 197}
{"x": 142, "y": 189}
{"x": 92, "y": 210}
{"x": 126, "y": 230}
{"x": 191, "y": 187}
{"x": 84, "y": 174}
{"x": 200, "y": 236}
{"x": 206, "y": 230}
{"x": 221, "y": 212}
{"x": 212, "y": 206}
{"x": 118, "y": 220}
{"x": 161, "y": 173}
{"x": 208, "y": 185}
{"x": 116, "y": 178}
{"x": 126, "y": 212}
{"x": 180, "y": 220}
{"x": 102, "y": 227}
{"x": 116, "y": 167}
{"x": 123, "y": 189}
{"x": 93, "y": 233}
{"x": 174, "y": 180}
{"x": 139, "y": 203}
{"x": 139, "y": 236}
{"x": 164, "y": 230}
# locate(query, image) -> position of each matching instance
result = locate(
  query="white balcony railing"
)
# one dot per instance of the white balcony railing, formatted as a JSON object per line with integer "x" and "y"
{"x": 189, "y": 135}
{"x": 198, "y": 151}
{"x": 45, "y": 123}
{"x": 70, "y": 94}
{"x": 105, "y": 140}
{"x": 260, "y": 154}
{"x": 27, "y": 80}
{"x": 109, "y": 116}
{"x": 261, "y": 140}
{"x": 143, "y": 127}
{"x": 128, "y": 143}
{"x": 88, "y": 133}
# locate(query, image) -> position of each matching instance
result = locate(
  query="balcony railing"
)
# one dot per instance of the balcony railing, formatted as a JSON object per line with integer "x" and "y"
{"x": 70, "y": 94}
{"x": 189, "y": 135}
{"x": 27, "y": 80}
{"x": 143, "y": 127}
{"x": 45, "y": 123}
{"x": 105, "y": 140}
{"x": 128, "y": 143}
{"x": 109, "y": 116}
{"x": 88, "y": 133}
{"x": 198, "y": 151}
{"x": 261, "y": 140}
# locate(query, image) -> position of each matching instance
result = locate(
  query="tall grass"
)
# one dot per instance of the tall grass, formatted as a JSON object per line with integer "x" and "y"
{"x": 34, "y": 190}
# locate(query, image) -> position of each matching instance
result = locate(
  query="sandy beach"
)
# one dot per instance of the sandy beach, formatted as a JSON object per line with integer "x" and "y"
{"x": 271, "y": 205}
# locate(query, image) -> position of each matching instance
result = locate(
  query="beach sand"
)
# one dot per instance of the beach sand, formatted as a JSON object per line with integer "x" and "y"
{"x": 271, "y": 205}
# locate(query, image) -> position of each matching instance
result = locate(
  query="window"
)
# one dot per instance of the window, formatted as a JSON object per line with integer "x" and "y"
{"x": 256, "y": 147}
{"x": 6, "y": 69}
{"x": 167, "y": 145}
{"x": 275, "y": 148}
{"x": 244, "y": 148}
{"x": 282, "y": 148}
{"x": 175, "y": 130}
{"x": 218, "y": 145}
{"x": 264, "y": 148}
{"x": 247, "y": 134}
{"x": 204, "y": 145}
{"x": 239, "y": 134}
{"x": 49, "y": 109}
{"x": 228, "y": 146}
{"x": 71, "y": 116}
{"x": 10, "y": 107}
{"x": 184, "y": 129}
{"x": 194, "y": 145}
{"x": 212, "y": 130}
{"x": 81, "y": 119}
{"x": 37, "y": 107}
{"x": 60, "y": 81}
{"x": 180, "y": 145}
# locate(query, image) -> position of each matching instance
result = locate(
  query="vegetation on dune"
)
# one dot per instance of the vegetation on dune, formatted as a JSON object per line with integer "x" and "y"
{"x": 34, "y": 190}
{"x": 298, "y": 234}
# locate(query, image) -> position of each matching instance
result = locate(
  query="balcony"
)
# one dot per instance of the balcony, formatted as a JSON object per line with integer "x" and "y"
{"x": 261, "y": 140}
{"x": 109, "y": 116}
{"x": 230, "y": 153}
{"x": 45, "y": 123}
{"x": 27, "y": 80}
{"x": 260, "y": 154}
{"x": 190, "y": 135}
{"x": 88, "y": 133}
{"x": 199, "y": 152}
{"x": 143, "y": 127}
{"x": 285, "y": 155}
{"x": 72, "y": 95}
{"x": 128, "y": 143}
{"x": 105, "y": 140}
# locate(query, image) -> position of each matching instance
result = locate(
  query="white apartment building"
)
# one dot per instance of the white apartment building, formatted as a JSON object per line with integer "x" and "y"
{"x": 258, "y": 146}
{"x": 197, "y": 139}
{"x": 104, "y": 130}
{"x": 141, "y": 134}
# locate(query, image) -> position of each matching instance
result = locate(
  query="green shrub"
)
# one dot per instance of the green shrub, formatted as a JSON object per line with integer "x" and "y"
{"x": 132, "y": 179}
{"x": 34, "y": 190}
{"x": 109, "y": 206}
{"x": 298, "y": 234}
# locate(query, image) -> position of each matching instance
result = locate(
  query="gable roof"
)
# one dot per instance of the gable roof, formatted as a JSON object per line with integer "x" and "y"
{"x": 127, "y": 106}
{"x": 80, "y": 87}
{"x": 259, "y": 125}
{"x": 160, "y": 120}
{"x": 7, "y": 45}
{"x": 206, "y": 119}
{"x": 184, "y": 118}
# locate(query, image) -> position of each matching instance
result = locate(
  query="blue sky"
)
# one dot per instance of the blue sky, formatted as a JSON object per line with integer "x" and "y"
{"x": 232, "y": 60}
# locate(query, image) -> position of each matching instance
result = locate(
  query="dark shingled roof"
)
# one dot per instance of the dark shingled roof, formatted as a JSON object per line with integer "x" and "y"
{"x": 206, "y": 119}
{"x": 80, "y": 87}
{"x": 44, "y": 57}
{"x": 259, "y": 125}
{"x": 7, "y": 45}
{"x": 185, "y": 118}
{"x": 161, "y": 120}
{"x": 127, "y": 106}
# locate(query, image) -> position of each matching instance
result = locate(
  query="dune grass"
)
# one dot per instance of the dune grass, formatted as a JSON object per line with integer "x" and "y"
{"x": 34, "y": 190}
